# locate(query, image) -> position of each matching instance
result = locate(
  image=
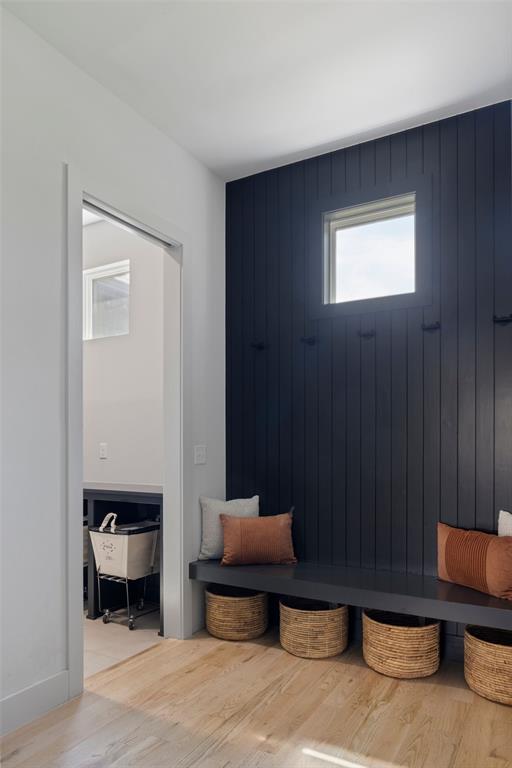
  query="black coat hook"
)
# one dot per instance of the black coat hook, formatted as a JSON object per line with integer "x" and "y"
{"x": 431, "y": 326}
{"x": 259, "y": 345}
{"x": 502, "y": 319}
{"x": 366, "y": 334}
{"x": 309, "y": 340}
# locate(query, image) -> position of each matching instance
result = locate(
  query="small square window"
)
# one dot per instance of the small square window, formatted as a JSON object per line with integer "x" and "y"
{"x": 370, "y": 250}
{"x": 106, "y": 300}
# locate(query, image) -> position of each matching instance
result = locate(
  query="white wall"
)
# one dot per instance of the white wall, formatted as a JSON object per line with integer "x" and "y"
{"x": 52, "y": 113}
{"x": 123, "y": 375}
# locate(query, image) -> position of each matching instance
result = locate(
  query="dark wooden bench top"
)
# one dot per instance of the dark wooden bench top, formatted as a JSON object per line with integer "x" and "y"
{"x": 401, "y": 593}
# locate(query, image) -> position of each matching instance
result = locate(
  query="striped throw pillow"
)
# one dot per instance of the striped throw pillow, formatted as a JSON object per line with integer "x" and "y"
{"x": 478, "y": 560}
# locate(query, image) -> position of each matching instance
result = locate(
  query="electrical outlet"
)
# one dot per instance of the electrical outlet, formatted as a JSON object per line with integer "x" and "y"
{"x": 199, "y": 454}
{"x": 103, "y": 451}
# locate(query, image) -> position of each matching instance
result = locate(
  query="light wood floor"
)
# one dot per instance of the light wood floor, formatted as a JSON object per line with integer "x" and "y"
{"x": 213, "y": 704}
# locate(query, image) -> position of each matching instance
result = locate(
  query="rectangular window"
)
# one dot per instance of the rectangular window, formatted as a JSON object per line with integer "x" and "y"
{"x": 369, "y": 250}
{"x": 106, "y": 298}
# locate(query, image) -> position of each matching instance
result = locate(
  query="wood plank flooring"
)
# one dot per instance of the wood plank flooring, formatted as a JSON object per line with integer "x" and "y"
{"x": 212, "y": 704}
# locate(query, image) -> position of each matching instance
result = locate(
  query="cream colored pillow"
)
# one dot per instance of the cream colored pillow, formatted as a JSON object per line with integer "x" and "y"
{"x": 212, "y": 543}
{"x": 505, "y": 523}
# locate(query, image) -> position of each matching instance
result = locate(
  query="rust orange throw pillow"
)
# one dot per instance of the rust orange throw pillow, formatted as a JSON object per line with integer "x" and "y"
{"x": 258, "y": 540}
{"x": 474, "y": 559}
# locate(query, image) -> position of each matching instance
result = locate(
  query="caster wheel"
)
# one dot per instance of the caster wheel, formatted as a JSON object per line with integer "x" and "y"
{"x": 131, "y": 624}
{"x": 140, "y": 605}
{"x": 105, "y": 619}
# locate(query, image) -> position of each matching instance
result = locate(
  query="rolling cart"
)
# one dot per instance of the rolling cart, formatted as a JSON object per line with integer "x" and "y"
{"x": 124, "y": 554}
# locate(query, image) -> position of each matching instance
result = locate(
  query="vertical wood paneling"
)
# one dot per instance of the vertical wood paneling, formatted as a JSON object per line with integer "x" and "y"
{"x": 414, "y": 167}
{"x": 399, "y": 439}
{"x": 449, "y": 323}
{"x": 383, "y": 401}
{"x": 324, "y": 175}
{"x": 353, "y": 422}
{"x": 353, "y": 168}
{"x": 235, "y": 406}
{"x": 249, "y": 353}
{"x": 414, "y": 152}
{"x": 415, "y": 441}
{"x": 449, "y": 326}
{"x": 285, "y": 341}
{"x": 466, "y": 322}
{"x": 339, "y": 172}
{"x": 432, "y": 366}
{"x": 355, "y": 522}
{"x": 368, "y": 446}
{"x": 503, "y": 306}
{"x": 375, "y": 438}
{"x": 339, "y": 405}
{"x": 325, "y": 440}
{"x": 272, "y": 343}
{"x": 260, "y": 336}
{"x": 484, "y": 241}
{"x": 325, "y": 403}
{"x": 298, "y": 381}
{"x": 311, "y": 395}
{"x": 368, "y": 164}
{"x": 383, "y": 159}
{"x": 398, "y": 155}
{"x": 339, "y": 441}
{"x": 383, "y": 489}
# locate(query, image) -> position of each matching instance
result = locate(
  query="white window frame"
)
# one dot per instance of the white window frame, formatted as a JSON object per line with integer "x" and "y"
{"x": 344, "y": 218}
{"x": 89, "y": 276}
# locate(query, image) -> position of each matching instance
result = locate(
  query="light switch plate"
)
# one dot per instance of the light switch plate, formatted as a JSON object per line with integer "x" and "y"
{"x": 199, "y": 454}
{"x": 103, "y": 451}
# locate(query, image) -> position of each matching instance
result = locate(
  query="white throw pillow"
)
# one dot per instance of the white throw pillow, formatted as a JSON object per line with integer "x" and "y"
{"x": 212, "y": 543}
{"x": 505, "y": 523}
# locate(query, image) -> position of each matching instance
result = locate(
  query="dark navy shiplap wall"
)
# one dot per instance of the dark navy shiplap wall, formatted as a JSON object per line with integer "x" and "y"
{"x": 376, "y": 439}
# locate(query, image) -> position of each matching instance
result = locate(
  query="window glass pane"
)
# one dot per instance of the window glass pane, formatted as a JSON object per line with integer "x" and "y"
{"x": 110, "y": 297}
{"x": 375, "y": 259}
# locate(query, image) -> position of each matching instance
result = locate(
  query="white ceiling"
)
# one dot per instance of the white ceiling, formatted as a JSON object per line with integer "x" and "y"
{"x": 250, "y": 85}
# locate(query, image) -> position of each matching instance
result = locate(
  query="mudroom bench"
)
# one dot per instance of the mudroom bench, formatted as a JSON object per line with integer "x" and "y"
{"x": 365, "y": 588}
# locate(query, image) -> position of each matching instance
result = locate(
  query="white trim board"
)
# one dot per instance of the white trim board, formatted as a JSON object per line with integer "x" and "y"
{"x": 24, "y": 706}
{"x": 74, "y": 430}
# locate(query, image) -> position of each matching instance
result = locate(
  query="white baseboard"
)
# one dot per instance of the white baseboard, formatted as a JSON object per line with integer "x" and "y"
{"x": 24, "y": 706}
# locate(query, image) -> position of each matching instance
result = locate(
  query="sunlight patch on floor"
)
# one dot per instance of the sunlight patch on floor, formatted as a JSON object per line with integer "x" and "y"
{"x": 344, "y": 762}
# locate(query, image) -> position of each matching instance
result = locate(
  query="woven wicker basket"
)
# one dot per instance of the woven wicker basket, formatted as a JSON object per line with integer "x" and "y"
{"x": 400, "y": 646}
{"x": 313, "y": 630}
{"x": 235, "y": 614}
{"x": 488, "y": 663}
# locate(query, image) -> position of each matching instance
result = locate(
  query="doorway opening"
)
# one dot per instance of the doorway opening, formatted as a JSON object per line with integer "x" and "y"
{"x": 131, "y": 360}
